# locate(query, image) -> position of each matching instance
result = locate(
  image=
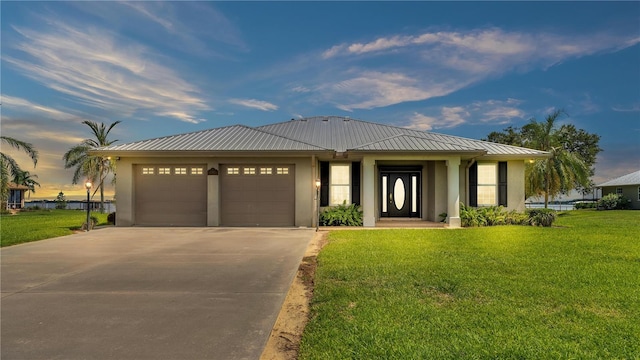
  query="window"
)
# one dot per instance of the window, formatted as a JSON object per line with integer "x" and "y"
{"x": 339, "y": 184}
{"x": 265, "y": 171}
{"x": 164, "y": 171}
{"x": 233, "y": 171}
{"x": 181, "y": 171}
{"x": 282, "y": 171}
{"x": 196, "y": 171}
{"x": 638, "y": 193}
{"x": 147, "y": 171}
{"x": 249, "y": 171}
{"x": 619, "y": 191}
{"x": 487, "y": 184}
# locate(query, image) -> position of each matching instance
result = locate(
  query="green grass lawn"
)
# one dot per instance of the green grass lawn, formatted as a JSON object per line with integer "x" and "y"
{"x": 42, "y": 224}
{"x": 511, "y": 292}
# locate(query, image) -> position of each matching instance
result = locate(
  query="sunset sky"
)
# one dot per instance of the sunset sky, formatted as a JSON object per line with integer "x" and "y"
{"x": 463, "y": 69}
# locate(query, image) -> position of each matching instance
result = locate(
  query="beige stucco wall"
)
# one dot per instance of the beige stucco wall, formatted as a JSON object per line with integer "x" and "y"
{"x": 125, "y": 190}
{"x": 515, "y": 185}
{"x": 628, "y": 191}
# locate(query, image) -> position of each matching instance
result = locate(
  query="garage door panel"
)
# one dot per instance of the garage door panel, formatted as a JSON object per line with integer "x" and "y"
{"x": 171, "y": 195}
{"x": 255, "y": 197}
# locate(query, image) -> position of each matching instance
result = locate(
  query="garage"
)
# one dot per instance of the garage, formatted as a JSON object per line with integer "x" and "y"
{"x": 257, "y": 195}
{"x": 171, "y": 195}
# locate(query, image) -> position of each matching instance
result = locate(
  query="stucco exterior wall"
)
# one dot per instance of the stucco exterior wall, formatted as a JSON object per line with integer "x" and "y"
{"x": 515, "y": 185}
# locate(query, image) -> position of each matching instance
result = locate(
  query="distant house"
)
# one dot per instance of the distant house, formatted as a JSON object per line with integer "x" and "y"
{"x": 627, "y": 185}
{"x": 16, "y": 196}
{"x": 280, "y": 174}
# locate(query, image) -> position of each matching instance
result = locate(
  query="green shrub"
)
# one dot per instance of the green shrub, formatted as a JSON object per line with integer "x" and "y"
{"x": 585, "y": 205}
{"x": 541, "y": 217}
{"x": 614, "y": 202}
{"x": 342, "y": 215}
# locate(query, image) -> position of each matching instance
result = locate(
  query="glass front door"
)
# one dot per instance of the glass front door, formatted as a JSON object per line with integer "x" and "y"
{"x": 400, "y": 194}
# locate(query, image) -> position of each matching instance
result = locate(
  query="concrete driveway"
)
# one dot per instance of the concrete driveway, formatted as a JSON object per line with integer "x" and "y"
{"x": 147, "y": 293}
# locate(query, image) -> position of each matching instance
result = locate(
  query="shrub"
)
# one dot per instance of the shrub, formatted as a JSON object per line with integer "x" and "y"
{"x": 111, "y": 218}
{"x": 585, "y": 205}
{"x": 342, "y": 215}
{"x": 541, "y": 217}
{"x": 614, "y": 202}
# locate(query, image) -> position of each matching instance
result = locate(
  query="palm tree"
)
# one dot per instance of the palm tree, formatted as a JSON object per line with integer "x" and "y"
{"x": 9, "y": 167}
{"x": 27, "y": 179}
{"x": 558, "y": 173}
{"x": 91, "y": 167}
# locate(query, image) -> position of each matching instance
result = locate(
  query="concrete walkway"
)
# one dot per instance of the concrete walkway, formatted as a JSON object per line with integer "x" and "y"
{"x": 147, "y": 293}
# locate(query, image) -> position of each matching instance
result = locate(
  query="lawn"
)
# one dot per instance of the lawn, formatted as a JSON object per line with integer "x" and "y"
{"x": 510, "y": 292}
{"x": 42, "y": 224}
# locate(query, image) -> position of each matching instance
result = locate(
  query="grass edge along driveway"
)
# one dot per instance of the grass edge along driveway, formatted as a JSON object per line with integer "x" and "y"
{"x": 572, "y": 291}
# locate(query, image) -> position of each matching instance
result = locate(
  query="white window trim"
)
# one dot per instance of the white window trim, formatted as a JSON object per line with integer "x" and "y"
{"x": 331, "y": 185}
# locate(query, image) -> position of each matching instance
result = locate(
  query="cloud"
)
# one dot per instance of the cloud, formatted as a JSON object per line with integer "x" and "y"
{"x": 371, "y": 89}
{"x": 255, "y": 104}
{"x": 12, "y": 103}
{"x": 449, "y": 117}
{"x": 421, "y": 122}
{"x": 498, "y": 111}
{"x": 447, "y": 61}
{"x": 101, "y": 70}
{"x": 631, "y": 108}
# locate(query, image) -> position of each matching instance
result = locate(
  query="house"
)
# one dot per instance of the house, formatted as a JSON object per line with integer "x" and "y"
{"x": 627, "y": 186}
{"x": 16, "y": 196}
{"x": 266, "y": 175}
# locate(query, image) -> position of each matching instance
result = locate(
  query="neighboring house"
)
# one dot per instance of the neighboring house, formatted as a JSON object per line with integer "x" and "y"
{"x": 627, "y": 185}
{"x": 16, "y": 196}
{"x": 266, "y": 175}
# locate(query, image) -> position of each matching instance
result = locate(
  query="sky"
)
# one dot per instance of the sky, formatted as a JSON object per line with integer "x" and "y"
{"x": 458, "y": 68}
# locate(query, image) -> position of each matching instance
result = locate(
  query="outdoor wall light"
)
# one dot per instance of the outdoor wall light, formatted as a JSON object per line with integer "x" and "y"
{"x": 318, "y": 183}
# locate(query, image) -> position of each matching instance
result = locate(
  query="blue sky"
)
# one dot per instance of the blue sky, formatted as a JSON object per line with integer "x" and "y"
{"x": 460, "y": 68}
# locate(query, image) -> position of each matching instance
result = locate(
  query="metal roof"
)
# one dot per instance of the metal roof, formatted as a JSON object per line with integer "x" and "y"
{"x": 230, "y": 138}
{"x": 321, "y": 133}
{"x": 342, "y": 134}
{"x": 629, "y": 179}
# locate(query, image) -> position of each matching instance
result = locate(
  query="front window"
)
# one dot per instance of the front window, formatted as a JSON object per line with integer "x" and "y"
{"x": 340, "y": 184}
{"x": 487, "y": 184}
{"x": 619, "y": 191}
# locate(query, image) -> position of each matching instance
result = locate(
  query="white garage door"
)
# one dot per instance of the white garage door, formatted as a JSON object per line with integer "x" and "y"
{"x": 257, "y": 195}
{"x": 171, "y": 195}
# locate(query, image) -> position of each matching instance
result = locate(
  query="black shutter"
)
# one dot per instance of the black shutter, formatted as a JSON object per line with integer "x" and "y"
{"x": 502, "y": 183}
{"x": 355, "y": 183}
{"x": 473, "y": 185}
{"x": 324, "y": 183}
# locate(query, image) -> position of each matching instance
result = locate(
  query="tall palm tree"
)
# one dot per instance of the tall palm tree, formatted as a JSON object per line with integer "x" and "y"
{"x": 27, "y": 179}
{"x": 9, "y": 167}
{"x": 559, "y": 172}
{"x": 91, "y": 167}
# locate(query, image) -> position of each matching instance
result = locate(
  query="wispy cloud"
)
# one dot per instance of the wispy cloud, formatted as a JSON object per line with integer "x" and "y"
{"x": 104, "y": 71}
{"x": 631, "y": 108}
{"x": 449, "y": 61}
{"x": 255, "y": 104}
{"x": 12, "y": 103}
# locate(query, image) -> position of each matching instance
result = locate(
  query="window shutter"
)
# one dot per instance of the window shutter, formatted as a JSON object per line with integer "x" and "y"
{"x": 502, "y": 183}
{"x": 473, "y": 185}
{"x": 324, "y": 183}
{"x": 355, "y": 183}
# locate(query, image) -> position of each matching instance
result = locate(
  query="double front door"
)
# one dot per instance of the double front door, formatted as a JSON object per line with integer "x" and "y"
{"x": 400, "y": 194}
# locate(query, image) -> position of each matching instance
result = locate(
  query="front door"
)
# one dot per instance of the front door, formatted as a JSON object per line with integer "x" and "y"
{"x": 400, "y": 194}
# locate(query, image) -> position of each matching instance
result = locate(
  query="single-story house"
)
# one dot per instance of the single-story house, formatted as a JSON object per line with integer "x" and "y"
{"x": 626, "y": 185}
{"x": 16, "y": 196}
{"x": 267, "y": 175}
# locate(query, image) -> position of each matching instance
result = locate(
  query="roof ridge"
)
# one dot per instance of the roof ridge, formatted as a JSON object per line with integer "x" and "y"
{"x": 288, "y": 138}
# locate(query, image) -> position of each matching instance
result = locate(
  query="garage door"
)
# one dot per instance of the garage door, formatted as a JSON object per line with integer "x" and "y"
{"x": 257, "y": 195}
{"x": 171, "y": 195}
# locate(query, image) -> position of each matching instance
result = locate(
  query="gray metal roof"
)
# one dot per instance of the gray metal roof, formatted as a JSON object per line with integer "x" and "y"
{"x": 321, "y": 133}
{"x": 629, "y": 179}
{"x": 342, "y": 134}
{"x": 230, "y": 138}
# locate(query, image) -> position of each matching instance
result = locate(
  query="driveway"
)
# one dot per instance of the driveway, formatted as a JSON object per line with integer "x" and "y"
{"x": 147, "y": 293}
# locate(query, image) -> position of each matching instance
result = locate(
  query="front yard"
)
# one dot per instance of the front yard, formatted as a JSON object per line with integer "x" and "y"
{"x": 42, "y": 224}
{"x": 571, "y": 291}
